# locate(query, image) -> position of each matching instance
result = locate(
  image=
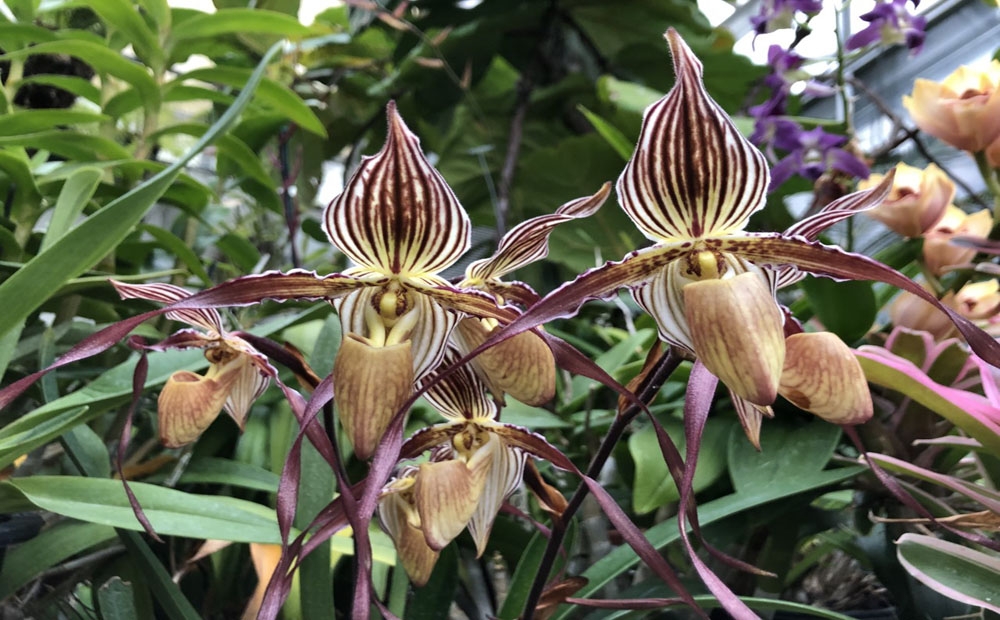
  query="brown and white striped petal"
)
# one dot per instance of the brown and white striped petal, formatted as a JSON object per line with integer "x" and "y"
{"x": 461, "y": 394}
{"x": 529, "y": 240}
{"x": 250, "y": 383}
{"x": 693, "y": 174}
{"x": 397, "y": 213}
{"x": 206, "y": 318}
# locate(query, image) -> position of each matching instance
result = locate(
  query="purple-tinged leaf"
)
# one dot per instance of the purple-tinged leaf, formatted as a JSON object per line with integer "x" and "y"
{"x": 958, "y": 572}
{"x": 977, "y": 493}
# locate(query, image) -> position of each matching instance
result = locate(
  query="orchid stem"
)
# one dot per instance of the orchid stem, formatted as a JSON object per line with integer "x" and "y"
{"x": 992, "y": 184}
{"x": 648, "y": 390}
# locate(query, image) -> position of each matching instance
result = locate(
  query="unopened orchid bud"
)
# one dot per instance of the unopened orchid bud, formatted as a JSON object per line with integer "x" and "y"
{"x": 822, "y": 376}
{"x": 917, "y": 201}
{"x": 912, "y": 312}
{"x": 522, "y": 366}
{"x": 736, "y": 330}
{"x": 939, "y": 252}
{"x": 371, "y": 384}
{"x": 963, "y": 110}
{"x": 190, "y": 402}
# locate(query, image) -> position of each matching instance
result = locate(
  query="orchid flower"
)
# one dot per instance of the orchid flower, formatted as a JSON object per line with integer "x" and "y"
{"x": 522, "y": 366}
{"x": 691, "y": 186}
{"x": 236, "y": 376}
{"x": 475, "y": 465}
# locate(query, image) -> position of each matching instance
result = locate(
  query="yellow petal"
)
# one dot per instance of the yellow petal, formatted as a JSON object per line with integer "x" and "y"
{"x": 370, "y": 384}
{"x": 736, "y": 330}
{"x": 445, "y": 495}
{"x": 522, "y": 366}
{"x": 822, "y": 376}
{"x": 189, "y": 403}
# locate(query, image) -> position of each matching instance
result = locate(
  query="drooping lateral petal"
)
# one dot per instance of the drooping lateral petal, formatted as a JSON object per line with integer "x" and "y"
{"x": 692, "y": 174}
{"x": 504, "y": 475}
{"x": 751, "y": 416}
{"x": 460, "y": 395}
{"x": 823, "y": 260}
{"x": 275, "y": 285}
{"x": 206, "y": 318}
{"x": 661, "y": 298}
{"x": 397, "y": 213}
{"x": 529, "y": 240}
{"x": 471, "y": 302}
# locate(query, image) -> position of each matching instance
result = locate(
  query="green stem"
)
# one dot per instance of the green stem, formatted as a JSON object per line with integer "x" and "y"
{"x": 992, "y": 184}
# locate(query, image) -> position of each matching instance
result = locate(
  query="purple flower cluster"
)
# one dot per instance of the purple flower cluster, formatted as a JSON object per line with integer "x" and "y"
{"x": 806, "y": 153}
{"x": 778, "y": 14}
{"x": 892, "y": 23}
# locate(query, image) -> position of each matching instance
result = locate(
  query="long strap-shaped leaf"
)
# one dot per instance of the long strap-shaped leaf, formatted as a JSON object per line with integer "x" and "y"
{"x": 86, "y": 244}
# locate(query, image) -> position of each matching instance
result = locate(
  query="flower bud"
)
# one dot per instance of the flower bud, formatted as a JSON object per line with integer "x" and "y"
{"x": 522, "y": 366}
{"x": 736, "y": 332}
{"x": 917, "y": 200}
{"x": 370, "y": 385}
{"x": 978, "y": 300}
{"x": 963, "y": 110}
{"x": 912, "y": 312}
{"x": 939, "y": 252}
{"x": 822, "y": 376}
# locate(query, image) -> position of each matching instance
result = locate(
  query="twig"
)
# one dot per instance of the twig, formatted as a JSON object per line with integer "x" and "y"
{"x": 502, "y": 206}
{"x": 664, "y": 368}
{"x": 288, "y": 177}
{"x": 72, "y": 565}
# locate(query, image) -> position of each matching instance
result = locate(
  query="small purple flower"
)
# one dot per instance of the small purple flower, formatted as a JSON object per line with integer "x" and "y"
{"x": 891, "y": 23}
{"x": 778, "y": 14}
{"x": 812, "y": 153}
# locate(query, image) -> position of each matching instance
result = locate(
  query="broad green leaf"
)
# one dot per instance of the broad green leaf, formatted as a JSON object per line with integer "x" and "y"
{"x": 654, "y": 486}
{"x": 75, "y": 194}
{"x": 116, "y": 600}
{"x": 211, "y": 470}
{"x": 845, "y": 308}
{"x": 171, "y": 512}
{"x": 240, "y": 21}
{"x": 272, "y": 94}
{"x": 176, "y": 246}
{"x": 21, "y": 35}
{"x": 52, "y": 546}
{"x": 946, "y": 402}
{"x": 123, "y": 17}
{"x": 247, "y": 162}
{"x": 32, "y": 431}
{"x": 956, "y": 571}
{"x": 614, "y": 137}
{"x": 786, "y": 454}
{"x": 89, "y": 150}
{"x": 87, "y": 451}
{"x": 26, "y": 196}
{"x": 103, "y": 60}
{"x": 516, "y": 412}
{"x": 86, "y": 244}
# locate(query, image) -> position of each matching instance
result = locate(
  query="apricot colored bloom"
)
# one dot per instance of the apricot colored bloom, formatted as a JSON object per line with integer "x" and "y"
{"x": 939, "y": 252}
{"x": 237, "y": 373}
{"x": 917, "y": 200}
{"x": 963, "y": 110}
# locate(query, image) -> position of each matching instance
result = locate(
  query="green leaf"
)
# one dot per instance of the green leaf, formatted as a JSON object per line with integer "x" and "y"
{"x": 524, "y": 574}
{"x": 116, "y": 600}
{"x": 123, "y": 17}
{"x": 845, "y": 308}
{"x": 73, "y": 145}
{"x": 654, "y": 486}
{"x": 786, "y": 454}
{"x": 31, "y": 431}
{"x": 176, "y": 246}
{"x": 75, "y": 194}
{"x": 247, "y": 162}
{"x": 86, "y": 244}
{"x": 27, "y": 196}
{"x": 272, "y": 94}
{"x": 53, "y": 545}
{"x": 958, "y": 572}
{"x": 102, "y": 59}
{"x": 171, "y": 512}
{"x": 88, "y": 451}
{"x": 31, "y": 121}
{"x": 614, "y": 137}
{"x": 210, "y": 470}
{"x": 78, "y": 86}
{"x": 240, "y": 21}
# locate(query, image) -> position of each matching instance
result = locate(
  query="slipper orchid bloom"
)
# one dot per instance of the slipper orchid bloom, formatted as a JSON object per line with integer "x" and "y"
{"x": 476, "y": 464}
{"x": 691, "y": 186}
{"x": 522, "y": 366}
{"x": 236, "y": 376}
